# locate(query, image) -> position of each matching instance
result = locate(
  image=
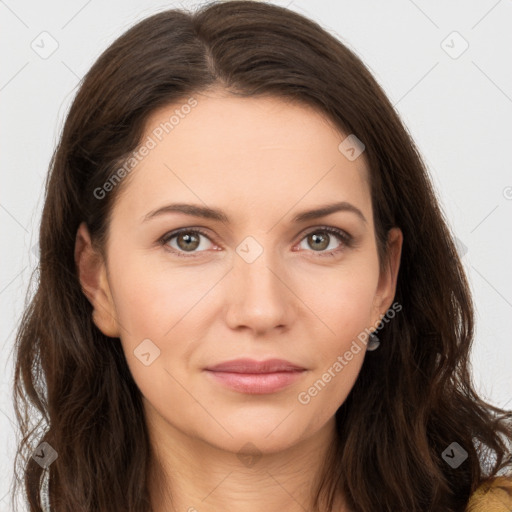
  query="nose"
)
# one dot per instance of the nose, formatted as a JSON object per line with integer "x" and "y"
{"x": 258, "y": 295}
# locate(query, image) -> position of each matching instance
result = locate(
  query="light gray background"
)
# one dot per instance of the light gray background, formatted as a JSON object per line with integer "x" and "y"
{"x": 457, "y": 107}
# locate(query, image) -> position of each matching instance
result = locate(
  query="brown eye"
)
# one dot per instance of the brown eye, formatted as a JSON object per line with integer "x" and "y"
{"x": 321, "y": 240}
{"x": 187, "y": 241}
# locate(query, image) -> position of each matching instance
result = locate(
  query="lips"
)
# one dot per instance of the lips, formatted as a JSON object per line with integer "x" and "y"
{"x": 252, "y": 366}
{"x": 255, "y": 377}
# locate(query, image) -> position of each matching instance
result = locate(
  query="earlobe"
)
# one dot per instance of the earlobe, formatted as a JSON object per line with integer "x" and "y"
{"x": 93, "y": 280}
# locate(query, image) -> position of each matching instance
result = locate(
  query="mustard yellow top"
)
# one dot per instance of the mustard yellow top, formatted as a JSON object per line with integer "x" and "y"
{"x": 494, "y": 495}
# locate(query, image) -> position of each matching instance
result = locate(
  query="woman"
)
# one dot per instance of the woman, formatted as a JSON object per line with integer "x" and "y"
{"x": 248, "y": 294}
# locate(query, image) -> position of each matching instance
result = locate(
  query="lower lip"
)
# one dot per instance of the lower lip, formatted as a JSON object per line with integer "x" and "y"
{"x": 256, "y": 383}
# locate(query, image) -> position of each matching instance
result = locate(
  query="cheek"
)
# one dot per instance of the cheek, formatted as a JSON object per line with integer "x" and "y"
{"x": 345, "y": 309}
{"x": 152, "y": 303}
{"x": 342, "y": 299}
{"x": 151, "y": 298}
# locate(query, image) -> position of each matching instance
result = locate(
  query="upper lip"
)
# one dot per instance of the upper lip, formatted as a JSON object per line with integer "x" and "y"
{"x": 253, "y": 366}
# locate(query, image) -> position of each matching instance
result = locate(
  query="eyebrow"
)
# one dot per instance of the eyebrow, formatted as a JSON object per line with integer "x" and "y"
{"x": 206, "y": 212}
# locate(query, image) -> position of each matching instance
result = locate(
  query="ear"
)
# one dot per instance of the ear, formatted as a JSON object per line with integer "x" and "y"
{"x": 92, "y": 274}
{"x": 388, "y": 277}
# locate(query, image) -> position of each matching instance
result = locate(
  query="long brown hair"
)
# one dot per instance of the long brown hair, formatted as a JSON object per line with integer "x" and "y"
{"x": 414, "y": 396}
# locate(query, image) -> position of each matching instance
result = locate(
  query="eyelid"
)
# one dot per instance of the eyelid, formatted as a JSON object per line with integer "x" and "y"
{"x": 346, "y": 239}
{"x": 329, "y": 229}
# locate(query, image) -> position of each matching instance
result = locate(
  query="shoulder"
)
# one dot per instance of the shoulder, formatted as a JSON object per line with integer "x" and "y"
{"x": 493, "y": 495}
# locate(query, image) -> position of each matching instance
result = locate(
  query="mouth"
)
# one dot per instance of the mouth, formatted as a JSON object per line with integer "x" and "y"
{"x": 256, "y": 383}
{"x": 255, "y": 377}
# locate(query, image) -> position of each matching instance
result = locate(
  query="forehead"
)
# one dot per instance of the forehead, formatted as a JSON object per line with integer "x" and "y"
{"x": 261, "y": 153}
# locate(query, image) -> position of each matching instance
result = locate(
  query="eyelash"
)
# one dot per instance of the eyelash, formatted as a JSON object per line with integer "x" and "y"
{"x": 344, "y": 237}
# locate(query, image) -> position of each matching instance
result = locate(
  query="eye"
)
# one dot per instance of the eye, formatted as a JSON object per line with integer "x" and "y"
{"x": 321, "y": 238}
{"x": 187, "y": 241}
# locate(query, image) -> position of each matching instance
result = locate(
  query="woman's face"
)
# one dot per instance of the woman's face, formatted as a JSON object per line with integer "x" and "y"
{"x": 258, "y": 284}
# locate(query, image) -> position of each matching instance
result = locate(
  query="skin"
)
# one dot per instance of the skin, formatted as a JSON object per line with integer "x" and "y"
{"x": 261, "y": 160}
